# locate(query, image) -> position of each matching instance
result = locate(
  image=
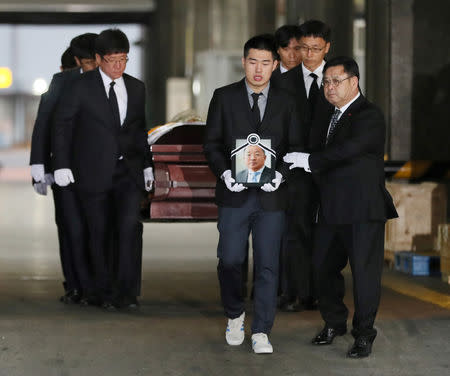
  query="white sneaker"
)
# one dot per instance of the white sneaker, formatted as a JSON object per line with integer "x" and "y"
{"x": 261, "y": 344}
{"x": 235, "y": 330}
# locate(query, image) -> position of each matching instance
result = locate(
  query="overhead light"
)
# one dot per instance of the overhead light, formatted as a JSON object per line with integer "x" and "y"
{"x": 39, "y": 86}
{"x": 196, "y": 87}
{"x": 5, "y": 77}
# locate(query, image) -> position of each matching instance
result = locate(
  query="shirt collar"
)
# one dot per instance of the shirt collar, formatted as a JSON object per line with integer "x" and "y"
{"x": 265, "y": 91}
{"x": 318, "y": 71}
{"x": 282, "y": 68}
{"x": 107, "y": 80}
{"x": 254, "y": 172}
{"x": 347, "y": 105}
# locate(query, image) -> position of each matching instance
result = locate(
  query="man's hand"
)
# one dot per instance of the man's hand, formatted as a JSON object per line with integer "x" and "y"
{"x": 64, "y": 177}
{"x": 49, "y": 179}
{"x": 40, "y": 188}
{"x": 230, "y": 182}
{"x": 298, "y": 160}
{"x": 38, "y": 173}
{"x": 149, "y": 178}
{"x": 277, "y": 181}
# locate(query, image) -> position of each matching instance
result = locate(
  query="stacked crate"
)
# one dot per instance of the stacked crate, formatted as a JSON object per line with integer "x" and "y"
{"x": 421, "y": 208}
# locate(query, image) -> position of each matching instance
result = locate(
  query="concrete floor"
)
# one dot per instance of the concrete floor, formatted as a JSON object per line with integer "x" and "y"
{"x": 179, "y": 329}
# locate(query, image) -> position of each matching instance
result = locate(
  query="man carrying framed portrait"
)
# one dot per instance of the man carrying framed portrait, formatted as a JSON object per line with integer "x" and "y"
{"x": 250, "y": 126}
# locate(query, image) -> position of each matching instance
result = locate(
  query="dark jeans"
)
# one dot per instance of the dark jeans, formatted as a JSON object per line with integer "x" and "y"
{"x": 266, "y": 227}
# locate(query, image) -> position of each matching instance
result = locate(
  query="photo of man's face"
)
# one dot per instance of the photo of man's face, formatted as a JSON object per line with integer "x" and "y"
{"x": 254, "y": 157}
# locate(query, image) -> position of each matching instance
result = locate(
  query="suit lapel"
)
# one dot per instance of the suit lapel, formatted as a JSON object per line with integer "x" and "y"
{"x": 243, "y": 104}
{"x": 344, "y": 120}
{"x": 103, "y": 102}
{"x": 269, "y": 109}
{"x": 130, "y": 98}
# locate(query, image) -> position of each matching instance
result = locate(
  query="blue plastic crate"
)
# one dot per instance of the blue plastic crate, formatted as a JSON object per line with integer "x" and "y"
{"x": 419, "y": 264}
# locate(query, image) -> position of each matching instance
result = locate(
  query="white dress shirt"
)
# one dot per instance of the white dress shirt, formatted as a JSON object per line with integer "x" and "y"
{"x": 282, "y": 68}
{"x": 121, "y": 93}
{"x": 343, "y": 109}
{"x": 309, "y": 80}
{"x": 251, "y": 174}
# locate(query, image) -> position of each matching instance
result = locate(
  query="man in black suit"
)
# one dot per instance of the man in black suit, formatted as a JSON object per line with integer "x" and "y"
{"x": 347, "y": 164}
{"x": 100, "y": 145}
{"x": 68, "y": 60}
{"x": 256, "y": 172}
{"x": 236, "y": 111}
{"x": 304, "y": 82}
{"x": 71, "y": 234}
{"x": 287, "y": 38}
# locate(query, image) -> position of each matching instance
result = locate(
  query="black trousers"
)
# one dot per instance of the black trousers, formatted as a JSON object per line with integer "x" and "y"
{"x": 296, "y": 269}
{"x": 266, "y": 227}
{"x": 72, "y": 237}
{"x": 362, "y": 244}
{"x": 114, "y": 214}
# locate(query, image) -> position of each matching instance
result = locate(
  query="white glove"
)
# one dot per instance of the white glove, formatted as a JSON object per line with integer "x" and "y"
{"x": 228, "y": 180}
{"x": 277, "y": 181}
{"x": 40, "y": 188}
{"x": 38, "y": 172}
{"x": 149, "y": 178}
{"x": 49, "y": 180}
{"x": 64, "y": 177}
{"x": 297, "y": 160}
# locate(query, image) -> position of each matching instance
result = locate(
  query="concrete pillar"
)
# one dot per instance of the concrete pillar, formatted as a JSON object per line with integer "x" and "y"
{"x": 337, "y": 14}
{"x": 408, "y": 75}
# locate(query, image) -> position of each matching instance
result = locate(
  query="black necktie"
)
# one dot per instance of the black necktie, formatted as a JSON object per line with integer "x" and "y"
{"x": 333, "y": 122}
{"x": 255, "y": 110}
{"x": 314, "y": 89}
{"x": 113, "y": 103}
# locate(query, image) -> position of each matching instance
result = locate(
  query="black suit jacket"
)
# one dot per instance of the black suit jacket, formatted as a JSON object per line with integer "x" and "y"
{"x": 88, "y": 141}
{"x": 293, "y": 82}
{"x": 41, "y": 138}
{"x": 349, "y": 170}
{"x": 229, "y": 118}
{"x": 276, "y": 75}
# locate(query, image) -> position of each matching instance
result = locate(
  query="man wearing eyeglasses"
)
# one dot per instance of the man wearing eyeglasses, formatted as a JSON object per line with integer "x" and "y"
{"x": 304, "y": 82}
{"x": 101, "y": 148}
{"x": 347, "y": 164}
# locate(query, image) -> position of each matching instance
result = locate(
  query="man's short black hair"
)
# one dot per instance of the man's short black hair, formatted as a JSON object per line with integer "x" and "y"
{"x": 112, "y": 41}
{"x": 68, "y": 60}
{"x": 349, "y": 64}
{"x": 285, "y": 33}
{"x": 264, "y": 42}
{"x": 83, "y": 46}
{"x": 316, "y": 29}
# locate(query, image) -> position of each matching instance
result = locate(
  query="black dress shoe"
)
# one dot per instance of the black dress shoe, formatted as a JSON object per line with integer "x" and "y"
{"x": 289, "y": 304}
{"x": 71, "y": 297}
{"x": 361, "y": 348}
{"x": 109, "y": 306}
{"x": 89, "y": 300}
{"x": 294, "y": 306}
{"x": 327, "y": 334}
{"x": 130, "y": 303}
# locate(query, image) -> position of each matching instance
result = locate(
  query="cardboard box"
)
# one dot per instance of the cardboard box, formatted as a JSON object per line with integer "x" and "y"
{"x": 421, "y": 208}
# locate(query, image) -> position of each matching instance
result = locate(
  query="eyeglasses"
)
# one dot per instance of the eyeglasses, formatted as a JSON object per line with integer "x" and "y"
{"x": 314, "y": 50}
{"x": 122, "y": 60}
{"x": 334, "y": 82}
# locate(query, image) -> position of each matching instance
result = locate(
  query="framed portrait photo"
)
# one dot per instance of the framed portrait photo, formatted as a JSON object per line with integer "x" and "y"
{"x": 253, "y": 161}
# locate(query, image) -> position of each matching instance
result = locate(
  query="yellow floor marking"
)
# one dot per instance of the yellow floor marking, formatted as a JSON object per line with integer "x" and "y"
{"x": 417, "y": 291}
